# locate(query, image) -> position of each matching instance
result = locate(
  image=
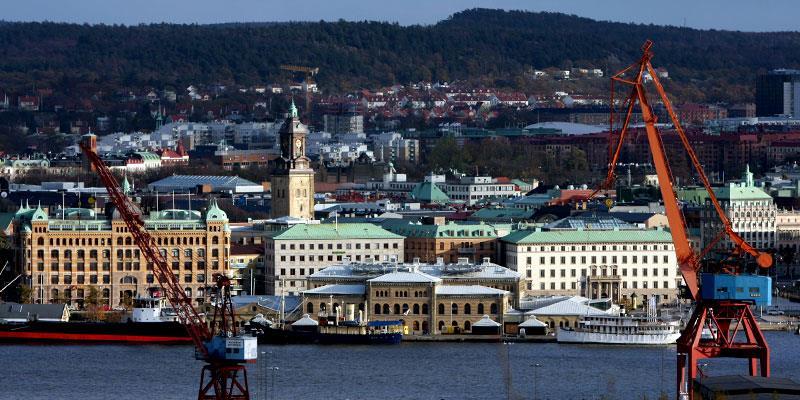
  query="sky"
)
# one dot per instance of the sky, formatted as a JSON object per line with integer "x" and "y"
{"x": 744, "y": 15}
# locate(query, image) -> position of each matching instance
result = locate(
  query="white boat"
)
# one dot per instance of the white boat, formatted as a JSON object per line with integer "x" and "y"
{"x": 617, "y": 329}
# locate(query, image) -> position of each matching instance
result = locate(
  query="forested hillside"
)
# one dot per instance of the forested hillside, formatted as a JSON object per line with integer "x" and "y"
{"x": 491, "y": 46}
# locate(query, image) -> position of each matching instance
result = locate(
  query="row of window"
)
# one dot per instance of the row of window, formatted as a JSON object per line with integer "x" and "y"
{"x": 339, "y": 246}
{"x": 625, "y": 247}
{"x": 121, "y": 266}
{"x": 126, "y": 241}
{"x": 401, "y": 293}
{"x": 106, "y": 279}
{"x": 599, "y": 272}
{"x": 594, "y": 259}
{"x": 128, "y": 253}
{"x": 330, "y": 258}
{"x": 574, "y": 285}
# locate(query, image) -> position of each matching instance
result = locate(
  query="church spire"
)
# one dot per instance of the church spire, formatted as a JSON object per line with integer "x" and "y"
{"x": 293, "y": 110}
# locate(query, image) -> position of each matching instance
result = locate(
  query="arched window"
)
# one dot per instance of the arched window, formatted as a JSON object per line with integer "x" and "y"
{"x": 106, "y": 293}
{"x": 415, "y": 325}
{"x": 397, "y": 308}
{"x": 441, "y": 308}
{"x": 386, "y": 309}
{"x": 441, "y": 325}
{"x": 40, "y": 241}
{"x": 455, "y": 324}
{"x": 68, "y": 254}
{"x": 493, "y": 308}
{"x": 424, "y": 309}
{"x": 405, "y": 309}
{"x": 310, "y": 308}
{"x": 53, "y": 253}
{"x": 119, "y": 241}
{"x": 480, "y": 309}
{"x": 215, "y": 240}
{"x": 377, "y": 308}
{"x": 467, "y": 326}
{"x": 454, "y": 308}
{"x": 323, "y": 306}
{"x": 467, "y": 309}
{"x": 416, "y": 309}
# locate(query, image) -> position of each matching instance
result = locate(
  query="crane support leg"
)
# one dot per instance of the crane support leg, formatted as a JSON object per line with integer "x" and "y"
{"x": 223, "y": 382}
{"x": 731, "y": 332}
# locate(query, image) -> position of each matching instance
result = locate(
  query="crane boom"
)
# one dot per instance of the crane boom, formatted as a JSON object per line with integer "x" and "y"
{"x": 688, "y": 259}
{"x": 722, "y": 300}
{"x": 129, "y": 212}
{"x": 223, "y": 377}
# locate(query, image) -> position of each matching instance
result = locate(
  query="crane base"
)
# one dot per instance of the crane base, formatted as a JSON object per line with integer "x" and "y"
{"x": 223, "y": 382}
{"x": 732, "y": 332}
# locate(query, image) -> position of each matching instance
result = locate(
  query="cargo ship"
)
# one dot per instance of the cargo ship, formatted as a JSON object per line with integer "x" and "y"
{"x": 151, "y": 322}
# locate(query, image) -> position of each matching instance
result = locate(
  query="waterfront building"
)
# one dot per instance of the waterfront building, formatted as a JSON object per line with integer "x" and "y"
{"x": 293, "y": 179}
{"x": 293, "y": 254}
{"x": 751, "y": 211}
{"x": 427, "y": 298}
{"x": 614, "y": 261}
{"x": 66, "y": 253}
{"x": 432, "y": 239}
{"x": 565, "y": 311}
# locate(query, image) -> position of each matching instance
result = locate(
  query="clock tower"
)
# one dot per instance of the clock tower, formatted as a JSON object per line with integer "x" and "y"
{"x": 293, "y": 179}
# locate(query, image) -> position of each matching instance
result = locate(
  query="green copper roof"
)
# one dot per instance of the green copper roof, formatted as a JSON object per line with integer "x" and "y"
{"x": 214, "y": 213}
{"x": 334, "y": 232}
{"x": 293, "y": 110}
{"x": 429, "y": 193}
{"x": 588, "y": 236}
{"x": 39, "y": 214}
{"x": 148, "y": 156}
{"x": 502, "y": 213}
{"x": 730, "y": 192}
{"x": 446, "y": 231}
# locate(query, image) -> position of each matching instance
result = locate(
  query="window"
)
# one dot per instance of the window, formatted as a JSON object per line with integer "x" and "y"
{"x": 480, "y": 309}
{"x": 441, "y": 309}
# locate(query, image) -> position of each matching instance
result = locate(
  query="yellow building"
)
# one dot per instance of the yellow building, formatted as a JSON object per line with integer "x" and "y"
{"x": 426, "y": 298}
{"x": 292, "y": 183}
{"x": 65, "y": 254}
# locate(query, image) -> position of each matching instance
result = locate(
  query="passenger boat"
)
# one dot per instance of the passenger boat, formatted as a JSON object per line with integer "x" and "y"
{"x": 623, "y": 330}
{"x": 150, "y": 322}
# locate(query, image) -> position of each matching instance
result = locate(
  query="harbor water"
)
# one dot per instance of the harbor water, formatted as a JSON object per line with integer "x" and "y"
{"x": 406, "y": 371}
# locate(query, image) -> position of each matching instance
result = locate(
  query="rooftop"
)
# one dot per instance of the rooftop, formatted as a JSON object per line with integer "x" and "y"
{"x": 539, "y": 236}
{"x": 335, "y": 232}
{"x": 347, "y": 290}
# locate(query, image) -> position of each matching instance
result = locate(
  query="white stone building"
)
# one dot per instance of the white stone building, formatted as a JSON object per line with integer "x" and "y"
{"x": 293, "y": 254}
{"x": 596, "y": 263}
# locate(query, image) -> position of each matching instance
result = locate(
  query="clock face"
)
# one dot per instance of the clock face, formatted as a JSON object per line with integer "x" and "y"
{"x": 298, "y": 143}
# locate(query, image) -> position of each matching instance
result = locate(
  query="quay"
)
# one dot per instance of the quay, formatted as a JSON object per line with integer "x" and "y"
{"x": 480, "y": 338}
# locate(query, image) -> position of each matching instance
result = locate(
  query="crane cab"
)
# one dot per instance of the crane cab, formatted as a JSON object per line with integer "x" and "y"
{"x": 236, "y": 349}
{"x": 750, "y": 288}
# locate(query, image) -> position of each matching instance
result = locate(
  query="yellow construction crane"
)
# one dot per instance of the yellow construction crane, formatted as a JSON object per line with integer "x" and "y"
{"x": 305, "y": 75}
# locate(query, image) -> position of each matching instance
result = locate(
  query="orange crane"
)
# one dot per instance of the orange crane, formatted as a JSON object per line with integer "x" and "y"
{"x": 722, "y": 297}
{"x": 224, "y": 376}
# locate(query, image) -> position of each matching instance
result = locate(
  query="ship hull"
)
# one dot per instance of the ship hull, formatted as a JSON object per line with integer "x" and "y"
{"x": 660, "y": 339}
{"x": 95, "y": 332}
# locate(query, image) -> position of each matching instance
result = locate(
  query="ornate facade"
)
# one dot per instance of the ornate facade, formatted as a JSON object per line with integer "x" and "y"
{"x": 65, "y": 254}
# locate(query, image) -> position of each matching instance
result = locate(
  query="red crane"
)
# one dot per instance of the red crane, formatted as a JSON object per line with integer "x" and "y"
{"x": 223, "y": 377}
{"x": 722, "y": 306}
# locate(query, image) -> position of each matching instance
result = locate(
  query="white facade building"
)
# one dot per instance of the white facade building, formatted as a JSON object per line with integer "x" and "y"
{"x": 601, "y": 263}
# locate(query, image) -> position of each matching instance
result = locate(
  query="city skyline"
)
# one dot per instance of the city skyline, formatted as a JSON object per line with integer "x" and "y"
{"x": 775, "y": 15}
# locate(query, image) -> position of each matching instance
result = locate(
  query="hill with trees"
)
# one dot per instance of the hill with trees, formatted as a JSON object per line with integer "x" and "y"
{"x": 491, "y": 47}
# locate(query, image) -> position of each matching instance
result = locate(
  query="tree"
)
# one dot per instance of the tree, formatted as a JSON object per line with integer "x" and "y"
{"x": 25, "y": 293}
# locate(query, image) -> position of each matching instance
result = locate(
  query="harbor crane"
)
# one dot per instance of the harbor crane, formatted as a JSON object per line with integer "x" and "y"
{"x": 224, "y": 377}
{"x": 724, "y": 292}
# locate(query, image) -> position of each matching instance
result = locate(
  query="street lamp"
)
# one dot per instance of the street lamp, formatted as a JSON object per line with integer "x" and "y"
{"x": 536, "y": 367}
